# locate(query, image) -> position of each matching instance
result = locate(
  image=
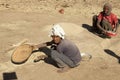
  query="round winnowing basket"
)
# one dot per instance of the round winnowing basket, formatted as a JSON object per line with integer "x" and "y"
{"x": 21, "y": 53}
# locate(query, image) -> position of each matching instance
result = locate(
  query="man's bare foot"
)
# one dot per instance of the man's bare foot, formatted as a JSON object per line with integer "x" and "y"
{"x": 42, "y": 57}
{"x": 64, "y": 69}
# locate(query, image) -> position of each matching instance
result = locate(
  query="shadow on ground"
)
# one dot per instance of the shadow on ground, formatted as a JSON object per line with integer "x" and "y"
{"x": 90, "y": 29}
{"x": 48, "y": 59}
{"x": 112, "y": 54}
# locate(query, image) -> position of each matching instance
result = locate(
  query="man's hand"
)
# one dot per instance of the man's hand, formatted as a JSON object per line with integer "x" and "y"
{"x": 34, "y": 47}
{"x": 104, "y": 32}
{"x": 39, "y": 45}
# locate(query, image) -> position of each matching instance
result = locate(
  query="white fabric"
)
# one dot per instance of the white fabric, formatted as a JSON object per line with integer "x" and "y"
{"x": 57, "y": 30}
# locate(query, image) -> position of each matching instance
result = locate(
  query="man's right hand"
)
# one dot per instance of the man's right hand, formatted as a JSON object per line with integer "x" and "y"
{"x": 34, "y": 47}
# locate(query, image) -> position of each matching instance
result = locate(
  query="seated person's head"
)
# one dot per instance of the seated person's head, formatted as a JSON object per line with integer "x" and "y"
{"x": 57, "y": 33}
{"x": 107, "y": 8}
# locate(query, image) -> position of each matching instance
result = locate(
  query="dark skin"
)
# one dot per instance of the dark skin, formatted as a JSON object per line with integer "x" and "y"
{"x": 99, "y": 26}
{"x": 55, "y": 38}
{"x": 107, "y": 12}
{"x": 103, "y": 30}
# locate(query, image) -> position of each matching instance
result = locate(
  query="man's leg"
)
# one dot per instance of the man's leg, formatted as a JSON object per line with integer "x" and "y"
{"x": 106, "y": 25}
{"x": 47, "y": 53}
{"x": 94, "y": 23}
{"x": 63, "y": 61}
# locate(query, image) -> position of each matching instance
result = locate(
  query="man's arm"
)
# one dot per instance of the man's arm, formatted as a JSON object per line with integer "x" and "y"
{"x": 40, "y": 45}
{"x": 100, "y": 27}
{"x": 43, "y": 44}
{"x": 116, "y": 27}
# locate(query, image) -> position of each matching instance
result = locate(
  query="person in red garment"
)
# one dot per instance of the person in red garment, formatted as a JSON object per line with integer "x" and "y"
{"x": 106, "y": 23}
{"x": 63, "y": 51}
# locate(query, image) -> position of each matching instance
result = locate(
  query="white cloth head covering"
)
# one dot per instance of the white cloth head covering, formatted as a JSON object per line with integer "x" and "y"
{"x": 57, "y": 30}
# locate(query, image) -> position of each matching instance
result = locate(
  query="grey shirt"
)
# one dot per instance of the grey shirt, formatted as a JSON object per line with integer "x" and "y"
{"x": 69, "y": 49}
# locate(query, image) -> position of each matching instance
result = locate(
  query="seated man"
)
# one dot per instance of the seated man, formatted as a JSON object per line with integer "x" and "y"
{"x": 106, "y": 22}
{"x": 64, "y": 52}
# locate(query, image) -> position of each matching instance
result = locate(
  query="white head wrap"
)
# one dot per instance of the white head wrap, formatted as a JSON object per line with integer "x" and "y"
{"x": 57, "y": 30}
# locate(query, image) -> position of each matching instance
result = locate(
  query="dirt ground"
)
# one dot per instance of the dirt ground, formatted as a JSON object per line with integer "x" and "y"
{"x": 32, "y": 20}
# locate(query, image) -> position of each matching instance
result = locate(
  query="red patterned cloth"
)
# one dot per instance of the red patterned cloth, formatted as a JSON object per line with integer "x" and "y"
{"x": 112, "y": 18}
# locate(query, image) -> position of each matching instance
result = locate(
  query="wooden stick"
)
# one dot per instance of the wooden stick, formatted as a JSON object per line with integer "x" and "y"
{"x": 15, "y": 45}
